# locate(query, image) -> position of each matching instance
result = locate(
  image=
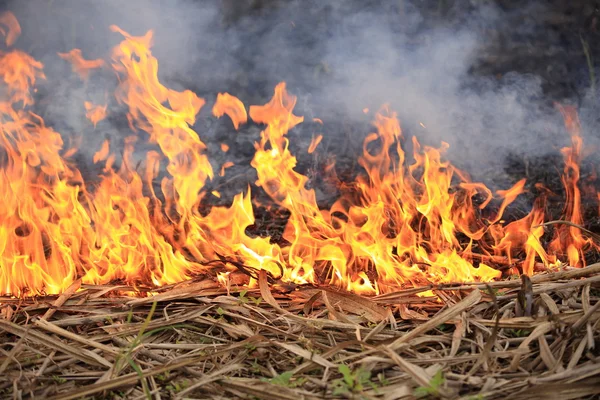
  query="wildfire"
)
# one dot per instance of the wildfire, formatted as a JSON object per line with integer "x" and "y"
{"x": 407, "y": 220}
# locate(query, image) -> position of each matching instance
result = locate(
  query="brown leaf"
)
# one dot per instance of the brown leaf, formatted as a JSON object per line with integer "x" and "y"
{"x": 439, "y": 319}
{"x": 337, "y": 316}
{"x": 308, "y": 355}
{"x": 546, "y": 353}
{"x": 408, "y": 314}
{"x": 62, "y": 299}
{"x": 265, "y": 292}
{"x": 540, "y": 330}
{"x": 457, "y": 336}
{"x": 524, "y": 304}
{"x": 358, "y": 305}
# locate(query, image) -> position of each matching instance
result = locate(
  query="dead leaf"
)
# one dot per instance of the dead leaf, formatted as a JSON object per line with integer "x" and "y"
{"x": 60, "y": 301}
{"x": 358, "y": 305}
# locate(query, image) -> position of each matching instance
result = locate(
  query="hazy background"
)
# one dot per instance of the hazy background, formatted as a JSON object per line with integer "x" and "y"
{"x": 480, "y": 75}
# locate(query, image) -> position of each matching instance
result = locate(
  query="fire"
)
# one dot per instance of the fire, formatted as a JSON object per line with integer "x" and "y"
{"x": 19, "y": 71}
{"x": 408, "y": 219}
{"x": 80, "y": 65}
{"x": 569, "y": 239}
{"x": 9, "y": 27}
{"x": 314, "y": 143}
{"x": 95, "y": 113}
{"x": 232, "y": 106}
{"x": 226, "y": 165}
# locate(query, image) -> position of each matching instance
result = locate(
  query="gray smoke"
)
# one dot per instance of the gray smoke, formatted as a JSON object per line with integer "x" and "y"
{"x": 339, "y": 57}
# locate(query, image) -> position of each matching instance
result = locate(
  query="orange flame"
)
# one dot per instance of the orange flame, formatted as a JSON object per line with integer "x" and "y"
{"x": 406, "y": 220}
{"x": 314, "y": 143}
{"x": 9, "y": 27}
{"x": 225, "y": 165}
{"x": 570, "y": 238}
{"x": 80, "y": 65}
{"x": 232, "y": 106}
{"x": 19, "y": 71}
{"x": 95, "y": 113}
{"x": 103, "y": 153}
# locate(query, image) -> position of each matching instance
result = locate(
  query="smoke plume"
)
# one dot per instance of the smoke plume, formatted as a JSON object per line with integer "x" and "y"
{"x": 338, "y": 57}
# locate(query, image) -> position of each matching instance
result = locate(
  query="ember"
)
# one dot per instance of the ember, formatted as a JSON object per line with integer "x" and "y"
{"x": 408, "y": 219}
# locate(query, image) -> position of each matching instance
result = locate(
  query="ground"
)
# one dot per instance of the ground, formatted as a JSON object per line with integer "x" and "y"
{"x": 196, "y": 341}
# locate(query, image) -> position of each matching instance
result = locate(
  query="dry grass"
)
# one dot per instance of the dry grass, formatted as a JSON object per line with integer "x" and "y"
{"x": 194, "y": 340}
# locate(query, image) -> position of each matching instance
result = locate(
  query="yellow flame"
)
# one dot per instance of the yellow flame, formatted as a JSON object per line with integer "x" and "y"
{"x": 406, "y": 220}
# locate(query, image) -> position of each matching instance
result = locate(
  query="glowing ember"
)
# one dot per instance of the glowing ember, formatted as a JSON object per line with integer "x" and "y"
{"x": 400, "y": 223}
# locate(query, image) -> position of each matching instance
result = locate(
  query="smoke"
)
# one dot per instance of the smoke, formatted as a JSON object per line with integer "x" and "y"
{"x": 339, "y": 57}
{"x": 426, "y": 75}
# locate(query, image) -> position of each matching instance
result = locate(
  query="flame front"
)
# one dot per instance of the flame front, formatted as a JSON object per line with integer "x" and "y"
{"x": 407, "y": 220}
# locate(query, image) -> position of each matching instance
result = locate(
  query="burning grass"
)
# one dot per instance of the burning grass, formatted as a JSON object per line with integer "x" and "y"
{"x": 194, "y": 340}
{"x": 408, "y": 218}
{"x": 229, "y": 311}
